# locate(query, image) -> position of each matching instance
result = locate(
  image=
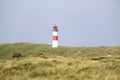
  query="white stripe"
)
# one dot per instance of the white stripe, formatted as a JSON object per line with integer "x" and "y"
{"x": 54, "y": 43}
{"x": 54, "y": 33}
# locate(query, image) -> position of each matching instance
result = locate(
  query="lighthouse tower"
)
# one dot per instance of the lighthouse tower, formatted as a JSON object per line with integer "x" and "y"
{"x": 55, "y": 37}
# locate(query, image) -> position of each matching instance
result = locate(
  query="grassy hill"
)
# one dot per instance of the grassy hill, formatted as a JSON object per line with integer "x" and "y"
{"x": 41, "y": 62}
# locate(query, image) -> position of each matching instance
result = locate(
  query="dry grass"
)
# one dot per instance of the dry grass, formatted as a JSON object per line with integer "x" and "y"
{"x": 41, "y": 62}
{"x": 59, "y": 68}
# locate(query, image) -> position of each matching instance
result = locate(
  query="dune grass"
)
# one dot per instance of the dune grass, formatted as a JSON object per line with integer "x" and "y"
{"x": 41, "y": 62}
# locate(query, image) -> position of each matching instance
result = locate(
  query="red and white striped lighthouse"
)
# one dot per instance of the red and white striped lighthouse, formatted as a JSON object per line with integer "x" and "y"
{"x": 55, "y": 37}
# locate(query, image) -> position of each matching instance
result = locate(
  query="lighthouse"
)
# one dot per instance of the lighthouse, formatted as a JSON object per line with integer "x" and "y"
{"x": 55, "y": 37}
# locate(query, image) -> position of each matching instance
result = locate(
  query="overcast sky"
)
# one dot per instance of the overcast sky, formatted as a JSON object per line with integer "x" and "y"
{"x": 80, "y": 22}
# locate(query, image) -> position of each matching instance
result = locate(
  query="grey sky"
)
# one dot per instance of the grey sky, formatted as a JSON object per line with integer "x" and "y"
{"x": 80, "y": 22}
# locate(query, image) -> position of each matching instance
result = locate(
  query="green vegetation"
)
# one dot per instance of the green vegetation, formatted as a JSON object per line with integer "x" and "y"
{"x": 41, "y": 62}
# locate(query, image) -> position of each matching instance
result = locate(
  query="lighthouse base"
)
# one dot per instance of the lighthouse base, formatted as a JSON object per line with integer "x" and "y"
{"x": 54, "y": 44}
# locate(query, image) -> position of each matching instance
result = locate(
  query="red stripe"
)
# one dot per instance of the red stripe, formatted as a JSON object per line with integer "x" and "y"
{"x": 55, "y": 37}
{"x": 55, "y": 28}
